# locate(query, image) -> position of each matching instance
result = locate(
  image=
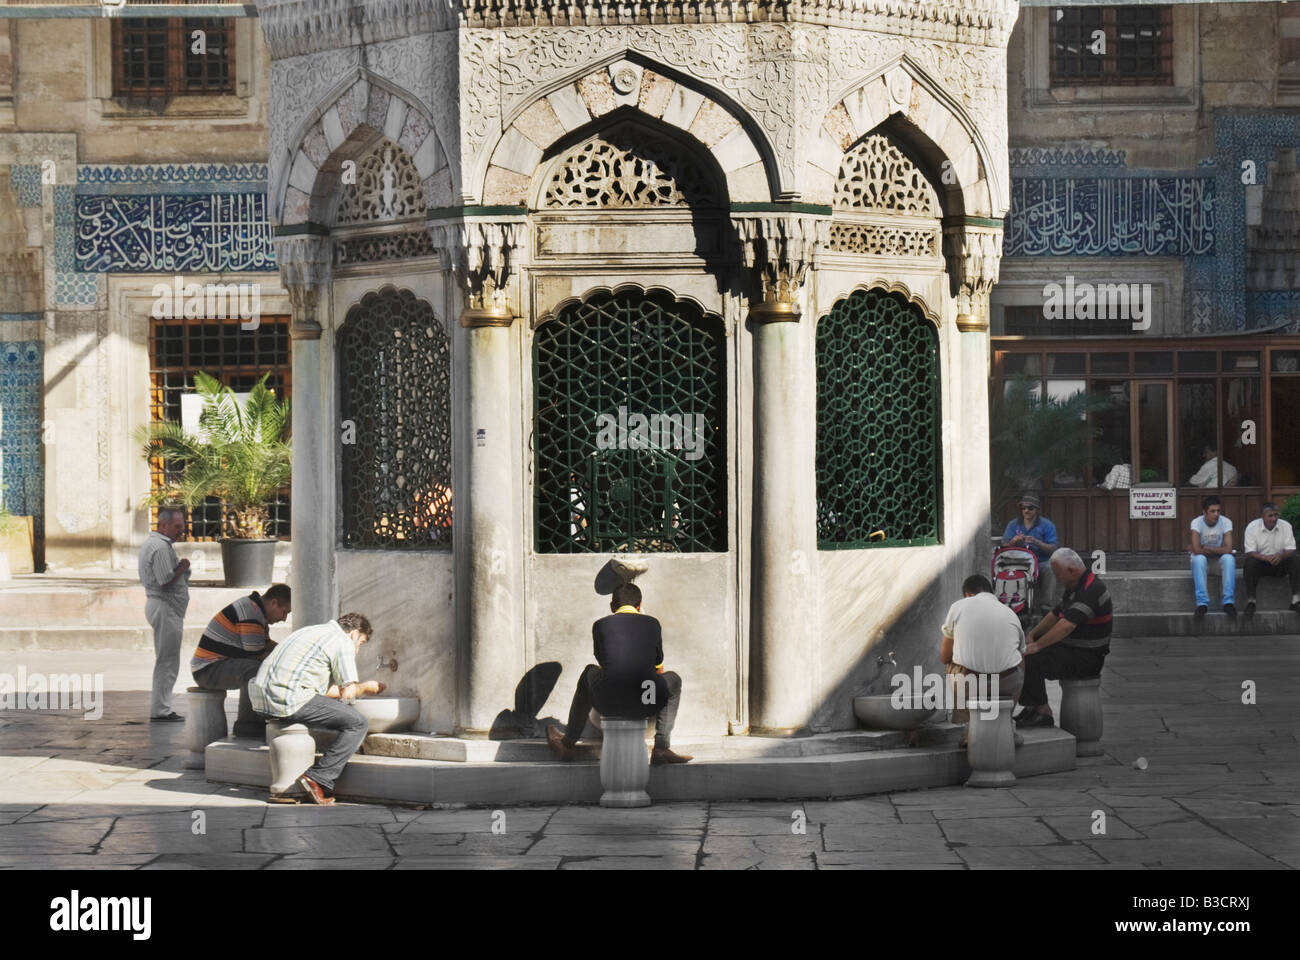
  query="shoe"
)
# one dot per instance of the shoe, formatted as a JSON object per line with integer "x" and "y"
{"x": 1250, "y": 609}
{"x": 1230, "y": 611}
{"x": 282, "y": 798}
{"x": 315, "y": 791}
{"x": 561, "y": 749}
{"x": 1019, "y": 740}
{"x": 661, "y": 755}
{"x": 1036, "y": 719}
{"x": 1296, "y": 606}
{"x": 1202, "y": 610}
{"x": 249, "y": 731}
{"x": 172, "y": 717}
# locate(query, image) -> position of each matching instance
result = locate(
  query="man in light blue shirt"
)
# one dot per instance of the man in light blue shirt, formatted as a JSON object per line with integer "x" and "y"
{"x": 1211, "y": 538}
{"x": 1036, "y": 533}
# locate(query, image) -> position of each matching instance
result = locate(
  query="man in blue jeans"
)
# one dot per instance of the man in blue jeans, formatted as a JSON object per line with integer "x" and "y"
{"x": 1036, "y": 533}
{"x": 306, "y": 680}
{"x": 1211, "y": 539}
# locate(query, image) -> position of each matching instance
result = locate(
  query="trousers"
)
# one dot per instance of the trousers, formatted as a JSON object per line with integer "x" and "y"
{"x": 330, "y": 714}
{"x": 1059, "y": 662}
{"x": 234, "y": 674}
{"x": 168, "y": 629}
{"x": 582, "y": 704}
{"x": 1227, "y": 570}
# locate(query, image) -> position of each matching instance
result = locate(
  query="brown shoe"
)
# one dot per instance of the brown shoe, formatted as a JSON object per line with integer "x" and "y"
{"x": 314, "y": 790}
{"x": 556, "y": 739}
{"x": 662, "y": 755}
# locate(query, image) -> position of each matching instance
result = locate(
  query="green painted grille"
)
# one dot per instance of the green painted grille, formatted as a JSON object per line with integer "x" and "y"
{"x": 394, "y": 363}
{"x": 605, "y": 481}
{"x": 878, "y": 454}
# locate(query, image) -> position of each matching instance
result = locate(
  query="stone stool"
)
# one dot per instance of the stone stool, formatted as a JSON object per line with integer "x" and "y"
{"x": 1081, "y": 714}
{"x": 990, "y": 744}
{"x": 624, "y": 763}
{"x": 205, "y": 722}
{"x": 292, "y": 753}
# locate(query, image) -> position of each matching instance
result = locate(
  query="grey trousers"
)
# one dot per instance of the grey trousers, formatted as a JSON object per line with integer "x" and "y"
{"x": 1007, "y": 687}
{"x": 330, "y": 714}
{"x": 232, "y": 674}
{"x": 168, "y": 629}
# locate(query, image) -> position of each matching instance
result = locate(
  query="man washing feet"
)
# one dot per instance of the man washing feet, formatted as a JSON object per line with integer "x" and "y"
{"x": 629, "y": 648}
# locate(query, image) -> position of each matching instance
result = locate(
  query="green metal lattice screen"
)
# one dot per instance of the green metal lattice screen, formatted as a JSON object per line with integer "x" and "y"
{"x": 878, "y": 443}
{"x": 394, "y": 363}
{"x": 630, "y": 428}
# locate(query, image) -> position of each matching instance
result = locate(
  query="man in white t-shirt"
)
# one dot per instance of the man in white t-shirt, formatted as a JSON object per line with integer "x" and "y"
{"x": 1211, "y": 538}
{"x": 1270, "y": 552}
{"x": 983, "y": 636}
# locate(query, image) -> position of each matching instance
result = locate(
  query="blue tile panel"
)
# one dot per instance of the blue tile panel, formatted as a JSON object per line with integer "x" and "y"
{"x": 21, "y": 377}
{"x": 26, "y": 181}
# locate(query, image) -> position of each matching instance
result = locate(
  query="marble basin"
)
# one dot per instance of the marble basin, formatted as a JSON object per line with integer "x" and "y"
{"x": 880, "y": 712}
{"x": 389, "y": 714}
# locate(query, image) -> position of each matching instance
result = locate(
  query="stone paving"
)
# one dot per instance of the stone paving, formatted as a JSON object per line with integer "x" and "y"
{"x": 1218, "y": 790}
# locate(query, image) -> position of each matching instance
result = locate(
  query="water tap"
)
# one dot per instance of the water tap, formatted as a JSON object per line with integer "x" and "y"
{"x": 887, "y": 659}
{"x": 390, "y": 664}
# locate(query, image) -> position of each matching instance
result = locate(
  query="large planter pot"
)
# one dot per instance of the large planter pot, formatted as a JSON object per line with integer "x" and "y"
{"x": 17, "y": 535}
{"x": 248, "y": 563}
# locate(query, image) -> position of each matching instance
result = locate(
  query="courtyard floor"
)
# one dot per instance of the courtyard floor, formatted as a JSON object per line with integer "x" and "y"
{"x": 1220, "y": 788}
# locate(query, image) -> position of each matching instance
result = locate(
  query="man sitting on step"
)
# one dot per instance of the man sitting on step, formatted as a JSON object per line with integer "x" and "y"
{"x": 233, "y": 647}
{"x": 304, "y": 680}
{"x": 1212, "y": 539}
{"x": 1071, "y": 642}
{"x": 1270, "y": 552}
{"x": 630, "y": 681}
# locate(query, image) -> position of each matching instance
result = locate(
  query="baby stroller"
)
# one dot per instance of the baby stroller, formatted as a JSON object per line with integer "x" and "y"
{"x": 1015, "y": 574}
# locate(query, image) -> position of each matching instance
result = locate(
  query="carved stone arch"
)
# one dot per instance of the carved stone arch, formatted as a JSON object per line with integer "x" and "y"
{"x": 505, "y": 169}
{"x": 549, "y": 313}
{"x": 889, "y": 285}
{"x": 349, "y": 120}
{"x": 936, "y": 129}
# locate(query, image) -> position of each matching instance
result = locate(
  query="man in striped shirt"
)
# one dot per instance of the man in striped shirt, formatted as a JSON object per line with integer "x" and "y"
{"x": 305, "y": 680}
{"x": 1071, "y": 642}
{"x": 233, "y": 645}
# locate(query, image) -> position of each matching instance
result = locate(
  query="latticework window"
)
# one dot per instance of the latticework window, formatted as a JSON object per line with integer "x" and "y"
{"x": 1112, "y": 45}
{"x": 884, "y": 205}
{"x": 630, "y": 428}
{"x": 387, "y": 188}
{"x": 395, "y": 406}
{"x": 878, "y": 424}
{"x": 626, "y": 167}
{"x": 158, "y": 57}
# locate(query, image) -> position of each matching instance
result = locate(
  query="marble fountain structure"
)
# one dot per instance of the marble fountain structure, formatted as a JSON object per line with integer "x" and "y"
{"x": 462, "y": 185}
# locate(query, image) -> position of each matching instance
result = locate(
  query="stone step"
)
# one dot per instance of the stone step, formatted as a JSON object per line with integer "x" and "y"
{"x": 100, "y": 602}
{"x": 535, "y": 750}
{"x": 134, "y": 639}
{"x": 379, "y": 779}
{"x": 1214, "y": 624}
{"x": 1170, "y": 590}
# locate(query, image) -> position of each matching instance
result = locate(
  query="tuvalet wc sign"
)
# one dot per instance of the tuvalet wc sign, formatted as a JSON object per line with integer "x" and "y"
{"x": 1152, "y": 501}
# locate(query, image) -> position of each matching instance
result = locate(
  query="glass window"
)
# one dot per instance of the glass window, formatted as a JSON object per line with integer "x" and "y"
{"x": 1199, "y": 362}
{"x": 1059, "y": 364}
{"x": 1112, "y": 454}
{"x": 1153, "y": 432}
{"x": 1243, "y": 436}
{"x": 1110, "y": 363}
{"x": 1098, "y": 45}
{"x": 1150, "y": 361}
{"x": 1062, "y": 390}
{"x": 157, "y": 57}
{"x": 1017, "y": 363}
{"x": 1286, "y": 361}
{"x": 1233, "y": 362}
{"x": 1286, "y": 428}
{"x": 1197, "y": 430}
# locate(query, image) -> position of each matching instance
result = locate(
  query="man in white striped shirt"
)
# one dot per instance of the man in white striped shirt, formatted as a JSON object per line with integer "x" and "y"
{"x": 167, "y": 595}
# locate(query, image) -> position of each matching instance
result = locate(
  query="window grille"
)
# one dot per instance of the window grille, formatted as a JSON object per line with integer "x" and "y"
{"x": 1138, "y": 45}
{"x": 394, "y": 362}
{"x": 155, "y": 57}
{"x": 878, "y": 430}
{"x": 607, "y": 480}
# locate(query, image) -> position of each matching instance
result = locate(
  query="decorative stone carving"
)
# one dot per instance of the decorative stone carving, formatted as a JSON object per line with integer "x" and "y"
{"x": 479, "y": 254}
{"x": 387, "y": 188}
{"x": 873, "y": 239}
{"x": 974, "y": 253}
{"x": 375, "y": 248}
{"x": 305, "y": 271}
{"x": 623, "y": 169}
{"x": 875, "y": 176}
{"x": 781, "y": 248}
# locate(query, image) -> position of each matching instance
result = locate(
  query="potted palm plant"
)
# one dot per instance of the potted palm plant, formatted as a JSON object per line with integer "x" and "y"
{"x": 241, "y": 454}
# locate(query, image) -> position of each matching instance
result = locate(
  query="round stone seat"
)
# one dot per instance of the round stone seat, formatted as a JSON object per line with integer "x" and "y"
{"x": 205, "y": 722}
{"x": 990, "y": 744}
{"x": 293, "y": 751}
{"x": 624, "y": 763}
{"x": 1081, "y": 714}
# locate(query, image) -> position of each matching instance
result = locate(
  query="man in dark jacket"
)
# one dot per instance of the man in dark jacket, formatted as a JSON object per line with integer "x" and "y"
{"x": 630, "y": 681}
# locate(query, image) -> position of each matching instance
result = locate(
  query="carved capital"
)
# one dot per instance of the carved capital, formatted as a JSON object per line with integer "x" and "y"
{"x": 305, "y": 262}
{"x": 480, "y": 255}
{"x": 780, "y": 248}
{"x": 973, "y": 249}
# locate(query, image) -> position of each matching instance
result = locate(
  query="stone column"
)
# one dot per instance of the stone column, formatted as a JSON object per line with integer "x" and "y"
{"x": 783, "y": 640}
{"x": 488, "y": 536}
{"x": 305, "y": 272}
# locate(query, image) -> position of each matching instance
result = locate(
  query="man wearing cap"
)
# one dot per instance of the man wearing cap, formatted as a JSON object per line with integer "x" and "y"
{"x": 1035, "y": 532}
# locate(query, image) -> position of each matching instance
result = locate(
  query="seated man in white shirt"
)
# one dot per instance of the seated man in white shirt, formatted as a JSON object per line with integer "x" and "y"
{"x": 1270, "y": 552}
{"x": 1208, "y": 475}
{"x": 983, "y": 636}
{"x": 1212, "y": 539}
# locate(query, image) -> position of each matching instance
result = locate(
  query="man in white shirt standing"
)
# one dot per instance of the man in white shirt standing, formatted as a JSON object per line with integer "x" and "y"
{"x": 1211, "y": 538}
{"x": 984, "y": 637}
{"x": 167, "y": 595}
{"x": 1270, "y": 552}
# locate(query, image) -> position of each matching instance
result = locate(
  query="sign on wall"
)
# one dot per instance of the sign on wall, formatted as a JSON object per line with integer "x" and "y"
{"x": 1152, "y": 502}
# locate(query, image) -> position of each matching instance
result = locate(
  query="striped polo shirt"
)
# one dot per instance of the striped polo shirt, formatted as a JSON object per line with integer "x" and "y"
{"x": 1088, "y": 607}
{"x": 238, "y": 632}
{"x": 302, "y": 667}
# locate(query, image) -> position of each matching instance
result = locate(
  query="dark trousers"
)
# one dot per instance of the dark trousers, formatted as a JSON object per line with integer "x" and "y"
{"x": 1258, "y": 568}
{"x": 234, "y": 674}
{"x": 329, "y": 714}
{"x": 1058, "y": 662}
{"x": 583, "y": 700}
